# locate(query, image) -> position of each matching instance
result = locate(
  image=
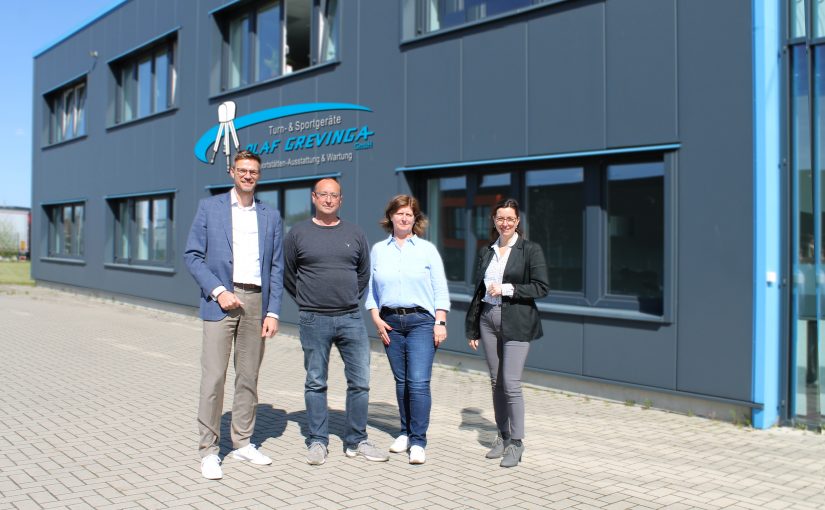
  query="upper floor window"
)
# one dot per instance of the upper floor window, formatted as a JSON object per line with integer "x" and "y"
{"x": 264, "y": 40}
{"x": 146, "y": 81}
{"x": 65, "y": 230}
{"x": 426, "y": 16}
{"x": 67, "y": 112}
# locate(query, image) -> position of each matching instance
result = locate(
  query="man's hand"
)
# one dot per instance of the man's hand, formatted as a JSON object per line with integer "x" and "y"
{"x": 229, "y": 301}
{"x": 270, "y": 327}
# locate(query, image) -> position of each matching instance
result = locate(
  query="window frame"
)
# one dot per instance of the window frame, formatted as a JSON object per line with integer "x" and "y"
{"x": 281, "y": 186}
{"x": 594, "y": 298}
{"x": 319, "y": 26}
{"x": 55, "y": 213}
{"x": 129, "y": 227}
{"x": 415, "y": 18}
{"x": 55, "y": 128}
{"x": 127, "y": 79}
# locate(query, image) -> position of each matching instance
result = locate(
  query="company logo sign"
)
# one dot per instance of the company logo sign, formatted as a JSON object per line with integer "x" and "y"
{"x": 286, "y": 136}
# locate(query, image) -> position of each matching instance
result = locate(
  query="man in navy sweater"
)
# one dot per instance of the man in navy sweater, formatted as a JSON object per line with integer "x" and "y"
{"x": 327, "y": 272}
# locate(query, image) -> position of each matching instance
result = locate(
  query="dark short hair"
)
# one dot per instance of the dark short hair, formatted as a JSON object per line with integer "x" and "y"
{"x": 507, "y": 203}
{"x": 396, "y": 203}
{"x": 246, "y": 154}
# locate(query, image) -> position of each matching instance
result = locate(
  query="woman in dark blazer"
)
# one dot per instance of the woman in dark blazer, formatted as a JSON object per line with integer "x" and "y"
{"x": 503, "y": 316}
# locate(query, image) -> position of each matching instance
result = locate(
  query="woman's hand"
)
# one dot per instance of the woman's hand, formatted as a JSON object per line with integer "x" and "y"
{"x": 439, "y": 334}
{"x": 383, "y": 329}
{"x": 494, "y": 289}
{"x": 473, "y": 344}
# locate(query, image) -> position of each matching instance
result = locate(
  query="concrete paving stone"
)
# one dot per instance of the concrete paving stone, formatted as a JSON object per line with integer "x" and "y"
{"x": 27, "y": 505}
{"x": 81, "y": 506}
{"x": 76, "y": 421}
{"x": 619, "y": 505}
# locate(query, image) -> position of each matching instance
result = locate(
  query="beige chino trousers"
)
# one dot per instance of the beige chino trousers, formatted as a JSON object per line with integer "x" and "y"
{"x": 241, "y": 327}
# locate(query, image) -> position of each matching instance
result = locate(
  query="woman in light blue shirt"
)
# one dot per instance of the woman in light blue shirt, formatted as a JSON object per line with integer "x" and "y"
{"x": 409, "y": 301}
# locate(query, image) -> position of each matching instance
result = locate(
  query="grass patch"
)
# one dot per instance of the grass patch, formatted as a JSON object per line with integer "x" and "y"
{"x": 16, "y": 273}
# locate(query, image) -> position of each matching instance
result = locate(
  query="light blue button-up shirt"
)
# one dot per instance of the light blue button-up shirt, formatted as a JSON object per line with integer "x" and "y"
{"x": 407, "y": 276}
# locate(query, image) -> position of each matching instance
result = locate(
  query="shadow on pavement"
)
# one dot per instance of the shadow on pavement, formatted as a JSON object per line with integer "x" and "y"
{"x": 471, "y": 419}
{"x": 271, "y": 423}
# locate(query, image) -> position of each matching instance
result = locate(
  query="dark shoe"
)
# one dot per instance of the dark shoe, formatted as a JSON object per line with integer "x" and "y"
{"x": 497, "y": 449}
{"x": 512, "y": 455}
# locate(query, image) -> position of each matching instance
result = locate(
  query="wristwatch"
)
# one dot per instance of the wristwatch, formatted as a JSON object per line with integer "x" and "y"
{"x": 440, "y": 323}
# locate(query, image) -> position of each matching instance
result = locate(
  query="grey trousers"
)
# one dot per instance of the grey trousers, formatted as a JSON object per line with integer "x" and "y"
{"x": 243, "y": 328}
{"x": 505, "y": 359}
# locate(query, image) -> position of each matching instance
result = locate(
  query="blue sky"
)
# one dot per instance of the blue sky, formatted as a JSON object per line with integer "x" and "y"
{"x": 28, "y": 27}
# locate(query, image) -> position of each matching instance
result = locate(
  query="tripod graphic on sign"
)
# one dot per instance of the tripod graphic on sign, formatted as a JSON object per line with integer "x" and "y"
{"x": 226, "y": 117}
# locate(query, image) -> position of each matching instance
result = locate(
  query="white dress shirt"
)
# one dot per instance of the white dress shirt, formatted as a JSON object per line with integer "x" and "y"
{"x": 495, "y": 271}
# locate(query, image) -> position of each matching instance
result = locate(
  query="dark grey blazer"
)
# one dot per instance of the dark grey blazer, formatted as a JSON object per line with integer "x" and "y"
{"x": 527, "y": 271}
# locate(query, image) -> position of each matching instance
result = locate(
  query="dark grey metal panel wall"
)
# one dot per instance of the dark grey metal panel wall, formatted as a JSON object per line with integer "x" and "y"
{"x": 432, "y": 126}
{"x": 715, "y": 199}
{"x": 581, "y": 75}
{"x": 641, "y": 71}
{"x": 565, "y": 92}
{"x": 493, "y": 93}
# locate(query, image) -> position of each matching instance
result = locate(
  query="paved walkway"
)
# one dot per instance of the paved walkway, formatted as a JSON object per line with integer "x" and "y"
{"x": 98, "y": 404}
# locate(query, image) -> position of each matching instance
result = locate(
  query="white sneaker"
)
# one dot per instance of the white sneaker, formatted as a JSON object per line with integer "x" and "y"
{"x": 417, "y": 455}
{"x": 400, "y": 444}
{"x": 250, "y": 454}
{"x": 211, "y": 467}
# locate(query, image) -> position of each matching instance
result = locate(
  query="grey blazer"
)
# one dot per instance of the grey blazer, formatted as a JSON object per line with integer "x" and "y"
{"x": 527, "y": 271}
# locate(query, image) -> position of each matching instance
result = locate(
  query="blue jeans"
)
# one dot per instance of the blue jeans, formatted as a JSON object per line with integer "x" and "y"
{"x": 318, "y": 333}
{"x": 411, "y": 352}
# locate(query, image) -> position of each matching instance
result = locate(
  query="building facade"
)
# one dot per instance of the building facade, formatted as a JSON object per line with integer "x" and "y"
{"x": 662, "y": 152}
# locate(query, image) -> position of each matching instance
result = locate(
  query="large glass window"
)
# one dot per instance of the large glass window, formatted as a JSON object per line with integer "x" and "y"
{"x": 635, "y": 225}
{"x": 263, "y": 40}
{"x": 294, "y": 203}
{"x": 555, "y": 219}
{"x": 601, "y": 224}
{"x": 447, "y": 198}
{"x": 143, "y": 230}
{"x": 425, "y": 16}
{"x": 67, "y": 112}
{"x": 65, "y": 238}
{"x": 806, "y": 108}
{"x": 146, "y": 82}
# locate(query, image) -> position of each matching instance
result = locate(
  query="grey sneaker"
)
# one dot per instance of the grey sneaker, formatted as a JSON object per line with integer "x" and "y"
{"x": 498, "y": 447}
{"x": 512, "y": 455}
{"x": 369, "y": 451}
{"x": 317, "y": 454}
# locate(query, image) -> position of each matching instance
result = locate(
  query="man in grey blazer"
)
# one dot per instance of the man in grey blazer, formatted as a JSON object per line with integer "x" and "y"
{"x": 234, "y": 253}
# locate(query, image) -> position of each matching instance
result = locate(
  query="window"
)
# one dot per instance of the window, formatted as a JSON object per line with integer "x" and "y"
{"x": 805, "y": 103}
{"x": 143, "y": 230}
{"x": 65, "y": 230}
{"x": 146, "y": 81}
{"x": 67, "y": 112}
{"x": 426, "y": 16}
{"x": 601, "y": 224}
{"x": 265, "y": 40}
{"x": 293, "y": 203}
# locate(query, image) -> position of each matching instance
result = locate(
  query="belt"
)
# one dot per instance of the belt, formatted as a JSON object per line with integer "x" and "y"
{"x": 249, "y": 287}
{"x": 385, "y": 310}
